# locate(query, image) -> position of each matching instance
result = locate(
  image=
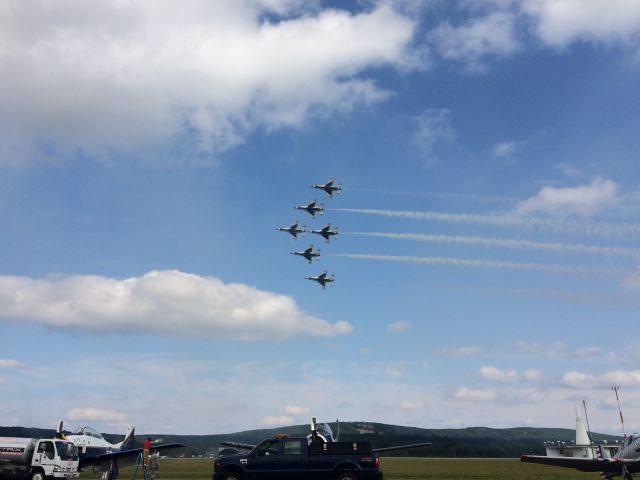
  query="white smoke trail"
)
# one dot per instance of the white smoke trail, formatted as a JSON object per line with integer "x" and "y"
{"x": 491, "y": 264}
{"x": 566, "y": 225}
{"x": 462, "y": 197}
{"x": 507, "y": 243}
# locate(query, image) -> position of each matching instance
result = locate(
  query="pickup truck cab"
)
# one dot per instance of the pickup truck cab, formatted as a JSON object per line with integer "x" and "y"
{"x": 295, "y": 458}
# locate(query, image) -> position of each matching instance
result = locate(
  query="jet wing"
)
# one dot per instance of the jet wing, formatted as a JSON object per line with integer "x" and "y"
{"x": 125, "y": 456}
{"x": 606, "y": 465}
{"x": 243, "y": 446}
{"x": 401, "y": 447}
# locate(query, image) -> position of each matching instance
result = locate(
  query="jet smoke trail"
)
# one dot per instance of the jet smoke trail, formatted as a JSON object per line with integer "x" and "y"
{"x": 508, "y": 243}
{"x": 492, "y": 264}
{"x": 505, "y": 221}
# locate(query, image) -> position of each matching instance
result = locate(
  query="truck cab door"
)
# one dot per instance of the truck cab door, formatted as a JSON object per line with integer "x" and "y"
{"x": 262, "y": 463}
{"x": 45, "y": 456}
{"x": 293, "y": 459}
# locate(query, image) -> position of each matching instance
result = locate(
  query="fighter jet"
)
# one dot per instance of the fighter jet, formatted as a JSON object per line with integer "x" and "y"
{"x": 312, "y": 208}
{"x": 293, "y": 230}
{"x": 329, "y": 187}
{"x": 308, "y": 254}
{"x": 322, "y": 279}
{"x": 326, "y": 232}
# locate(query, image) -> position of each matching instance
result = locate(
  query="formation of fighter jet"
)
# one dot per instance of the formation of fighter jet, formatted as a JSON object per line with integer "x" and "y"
{"x": 329, "y": 188}
{"x": 312, "y": 208}
{"x": 309, "y": 254}
{"x": 293, "y": 230}
{"x": 326, "y": 232}
{"x": 323, "y": 279}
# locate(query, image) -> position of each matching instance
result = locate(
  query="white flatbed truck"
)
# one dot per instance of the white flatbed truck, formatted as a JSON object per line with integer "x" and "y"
{"x": 37, "y": 459}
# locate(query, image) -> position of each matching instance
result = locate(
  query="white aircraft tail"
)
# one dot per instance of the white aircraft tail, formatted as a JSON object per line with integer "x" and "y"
{"x": 582, "y": 437}
{"x": 127, "y": 443}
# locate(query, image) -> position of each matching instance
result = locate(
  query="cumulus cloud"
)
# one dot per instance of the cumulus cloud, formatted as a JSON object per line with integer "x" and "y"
{"x": 276, "y": 421}
{"x": 561, "y": 22}
{"x": 491, "y": 35}
{"x": 399, "y": 327}
{"x": 625, "y": 378}
{"x": 584, "y": 200}
{"x": 91, "y": 414}
{"x": 475, "y": 395}
{"x": 411, "y": 406}
{"x": 131, "y": 77}
{"x": 165, "y": 302}
{"x": 9, "y": 363}
{"x": 295, "y": 410}
{"x": 495, "y": 374}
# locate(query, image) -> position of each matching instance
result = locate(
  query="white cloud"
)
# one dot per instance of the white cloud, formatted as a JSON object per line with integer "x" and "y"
{"x": 628, "y": 378}
{"x": 561, "y": 22}
{"x": 399, "y": 327}
{"x": 434, "y": 127}
{"x": 8, "y": 363}
{"x": 491, "y": 35}
{"x": 497, "y": 375}
{"x": 136, "y": 77}
{"x": 556, "y": 350}
{"x": 276, "y": 421}
{"x": 166, "y": 302}
{"x": 475, "y": 395}
{"x": 295, "y": 410}
{"x": 632, "y": 282}
{"x": 91, "y": 414}
{"x": 584, "y": 200}
{"x": 532, "y": 375}
{"x": 458, "y": 352}
{"x": 505, "y": 149}
{"x": 412, "y": 406}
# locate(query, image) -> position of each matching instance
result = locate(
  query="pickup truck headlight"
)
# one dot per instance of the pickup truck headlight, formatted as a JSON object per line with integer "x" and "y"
{"x": 56, "y": 468}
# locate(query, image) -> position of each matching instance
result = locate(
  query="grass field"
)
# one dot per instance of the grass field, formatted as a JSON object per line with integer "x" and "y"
{"x": 395, "y": 469}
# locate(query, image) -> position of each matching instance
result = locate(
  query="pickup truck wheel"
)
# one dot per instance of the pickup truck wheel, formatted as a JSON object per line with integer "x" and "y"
{"x": 232, "y": 476}
{"x": 38, "y": 475}
{"x": 347, "y": 476}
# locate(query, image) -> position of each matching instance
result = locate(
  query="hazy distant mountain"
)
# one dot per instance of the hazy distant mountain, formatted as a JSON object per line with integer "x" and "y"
{"x": 463, "y": 442}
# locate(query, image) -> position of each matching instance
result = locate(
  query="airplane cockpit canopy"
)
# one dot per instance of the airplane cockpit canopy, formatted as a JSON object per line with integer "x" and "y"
{"x": 89, "y": 432}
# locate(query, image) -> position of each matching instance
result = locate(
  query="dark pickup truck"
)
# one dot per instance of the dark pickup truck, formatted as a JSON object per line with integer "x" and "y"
{"x": 289, "y": 458}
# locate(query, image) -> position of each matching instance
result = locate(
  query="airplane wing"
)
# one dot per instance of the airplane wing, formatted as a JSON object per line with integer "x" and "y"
{"x": 244, "y": 446}
{"x": 606, "y": 465}
{"x": 401, "y": 447}
{"x": 126, "y": 457}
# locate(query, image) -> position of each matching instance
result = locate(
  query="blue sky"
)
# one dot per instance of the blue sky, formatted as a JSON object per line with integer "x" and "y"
{"x": 487, "y": 262}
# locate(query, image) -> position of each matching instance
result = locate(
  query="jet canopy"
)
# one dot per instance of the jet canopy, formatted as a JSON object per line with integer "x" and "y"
{"x": 89, "y": 432}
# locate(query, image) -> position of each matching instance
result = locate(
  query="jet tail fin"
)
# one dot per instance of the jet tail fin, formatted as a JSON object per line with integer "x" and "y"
{"x": 127, "y": 443}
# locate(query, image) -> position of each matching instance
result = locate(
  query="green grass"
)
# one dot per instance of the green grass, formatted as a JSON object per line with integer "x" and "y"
{"x": 395, "y": 469}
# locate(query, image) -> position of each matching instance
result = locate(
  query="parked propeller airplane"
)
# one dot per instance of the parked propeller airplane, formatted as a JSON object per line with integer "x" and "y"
{"x": 329, "y": 188}
{"x": 95, "y": 451}
{"x": 293, "y": 230}
{"x": 308, "y": 254}
{"x": 312, "y": 208}
{"x": 322, "y": 279}
{"x": 326, "y": 232}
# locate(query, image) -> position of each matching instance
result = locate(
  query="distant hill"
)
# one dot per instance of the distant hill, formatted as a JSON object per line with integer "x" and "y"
{"x": 464, "y": 442}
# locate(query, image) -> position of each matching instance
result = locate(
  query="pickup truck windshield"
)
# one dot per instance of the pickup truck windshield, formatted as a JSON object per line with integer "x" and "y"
{"x": 67, "y": 451}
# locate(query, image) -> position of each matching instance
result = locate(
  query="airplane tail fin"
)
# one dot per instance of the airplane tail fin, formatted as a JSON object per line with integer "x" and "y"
{"x": 59, "y": 433}
{"x": 603, "y": 453}
{"x": 127, "y": 443}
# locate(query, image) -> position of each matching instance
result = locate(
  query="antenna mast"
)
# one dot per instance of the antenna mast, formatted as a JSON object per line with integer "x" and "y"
{"x": 615, "y": 388}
